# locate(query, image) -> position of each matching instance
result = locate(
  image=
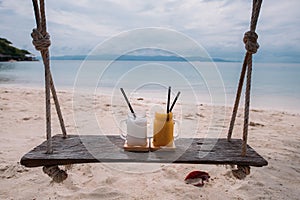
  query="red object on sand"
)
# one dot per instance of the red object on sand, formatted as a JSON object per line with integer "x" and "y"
{"x": 197, "y": 178}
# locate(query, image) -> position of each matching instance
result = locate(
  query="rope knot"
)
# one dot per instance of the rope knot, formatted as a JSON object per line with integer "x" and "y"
{"x": 40, "y": 41}
{"x": 250, "y": 40}
{"x": 58, "y": 175}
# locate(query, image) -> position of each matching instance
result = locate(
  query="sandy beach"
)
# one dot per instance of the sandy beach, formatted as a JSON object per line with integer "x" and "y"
{"x": 273, "y": 134}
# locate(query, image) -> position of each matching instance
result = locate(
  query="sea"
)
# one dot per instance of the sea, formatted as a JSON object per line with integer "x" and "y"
{"x": 274, "y": 86}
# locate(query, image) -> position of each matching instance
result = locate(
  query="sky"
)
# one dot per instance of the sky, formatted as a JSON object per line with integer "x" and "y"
{"x": 77, "y": 27}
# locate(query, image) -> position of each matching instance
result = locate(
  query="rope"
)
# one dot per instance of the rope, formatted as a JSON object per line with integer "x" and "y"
{"x": 247, "y": 105}
{"x": 41, "y": 41}
{"x": 251, "y": 45}
{"x": 237, "y": 98}
{"x": 58, "y": 110}
{"x": 241, "y": 172}
{"x": 250, "y": 40}
{"x": 58, "y": 175}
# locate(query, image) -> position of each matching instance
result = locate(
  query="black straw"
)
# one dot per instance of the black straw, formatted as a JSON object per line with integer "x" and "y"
{"x": 169, "y": 96}
{"x": 128, "y": 103}
{"x": 174, "y": 101}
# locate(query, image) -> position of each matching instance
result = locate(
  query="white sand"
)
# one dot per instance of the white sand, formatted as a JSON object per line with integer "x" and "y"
{"x": 273, "y": 134}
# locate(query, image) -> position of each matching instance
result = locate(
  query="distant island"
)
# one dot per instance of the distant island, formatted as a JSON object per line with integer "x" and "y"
{"x": 11, "y": 53}
{"x": 144, "y": 54}
{"x": 139, "y": 58}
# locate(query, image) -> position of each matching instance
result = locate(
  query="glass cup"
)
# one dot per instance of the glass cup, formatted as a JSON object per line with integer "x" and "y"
{"x": 163, "y": 129}
{"x": 136, "y": 131}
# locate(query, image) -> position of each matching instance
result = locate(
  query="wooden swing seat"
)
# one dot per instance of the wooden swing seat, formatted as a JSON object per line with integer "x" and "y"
{"x": 109, "y": 148}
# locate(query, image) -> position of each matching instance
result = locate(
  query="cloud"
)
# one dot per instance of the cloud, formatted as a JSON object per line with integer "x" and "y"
{"x": 77, "y": 26}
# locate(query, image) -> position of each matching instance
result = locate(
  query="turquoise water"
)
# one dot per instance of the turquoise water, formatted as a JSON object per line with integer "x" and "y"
{"x": 274, "y": 85}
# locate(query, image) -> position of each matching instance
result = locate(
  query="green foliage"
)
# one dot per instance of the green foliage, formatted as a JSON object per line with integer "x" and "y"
{"x": 7, "y": 49}
{"x": 5, "y": 41}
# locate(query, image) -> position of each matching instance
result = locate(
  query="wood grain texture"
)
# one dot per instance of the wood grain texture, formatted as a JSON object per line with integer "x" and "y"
{"x": 109, "y": 148}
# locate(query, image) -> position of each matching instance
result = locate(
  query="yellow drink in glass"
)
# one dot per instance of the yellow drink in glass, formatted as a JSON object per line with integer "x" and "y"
{"x": 163, "y": 129}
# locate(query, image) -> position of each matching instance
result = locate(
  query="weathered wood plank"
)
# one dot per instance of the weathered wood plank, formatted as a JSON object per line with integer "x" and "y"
{"x": 109, "y": 148}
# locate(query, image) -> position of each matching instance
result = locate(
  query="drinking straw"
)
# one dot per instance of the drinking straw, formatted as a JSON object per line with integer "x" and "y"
{"x": 168, "y": 102}
{"x": 173, "y": 104}
{"x": 128, "y": 103}
{"x": 169, "y": 96}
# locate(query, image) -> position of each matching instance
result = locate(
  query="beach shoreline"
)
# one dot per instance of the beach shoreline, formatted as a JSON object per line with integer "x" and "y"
{"x": 273, "y": 134}
{"x": 259, "y": 103}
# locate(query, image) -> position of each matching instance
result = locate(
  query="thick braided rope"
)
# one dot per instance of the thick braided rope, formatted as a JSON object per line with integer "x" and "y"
{"x": 43, "y": 25}
{"x": 41, "y": 41}
{"x": 43, "y": 17}
{"x": 247, "y": 106}
{"x": 238, "y": 96}
{"x": 58, "y": 175}
{"x": 250, "y": 40}
{"x": 45, "y": 56}
{"x": 251, "y": 45}
{"x": 58, "y": 110}
{"x": 255, "y": 14}
{"x": 252, "y": 49}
